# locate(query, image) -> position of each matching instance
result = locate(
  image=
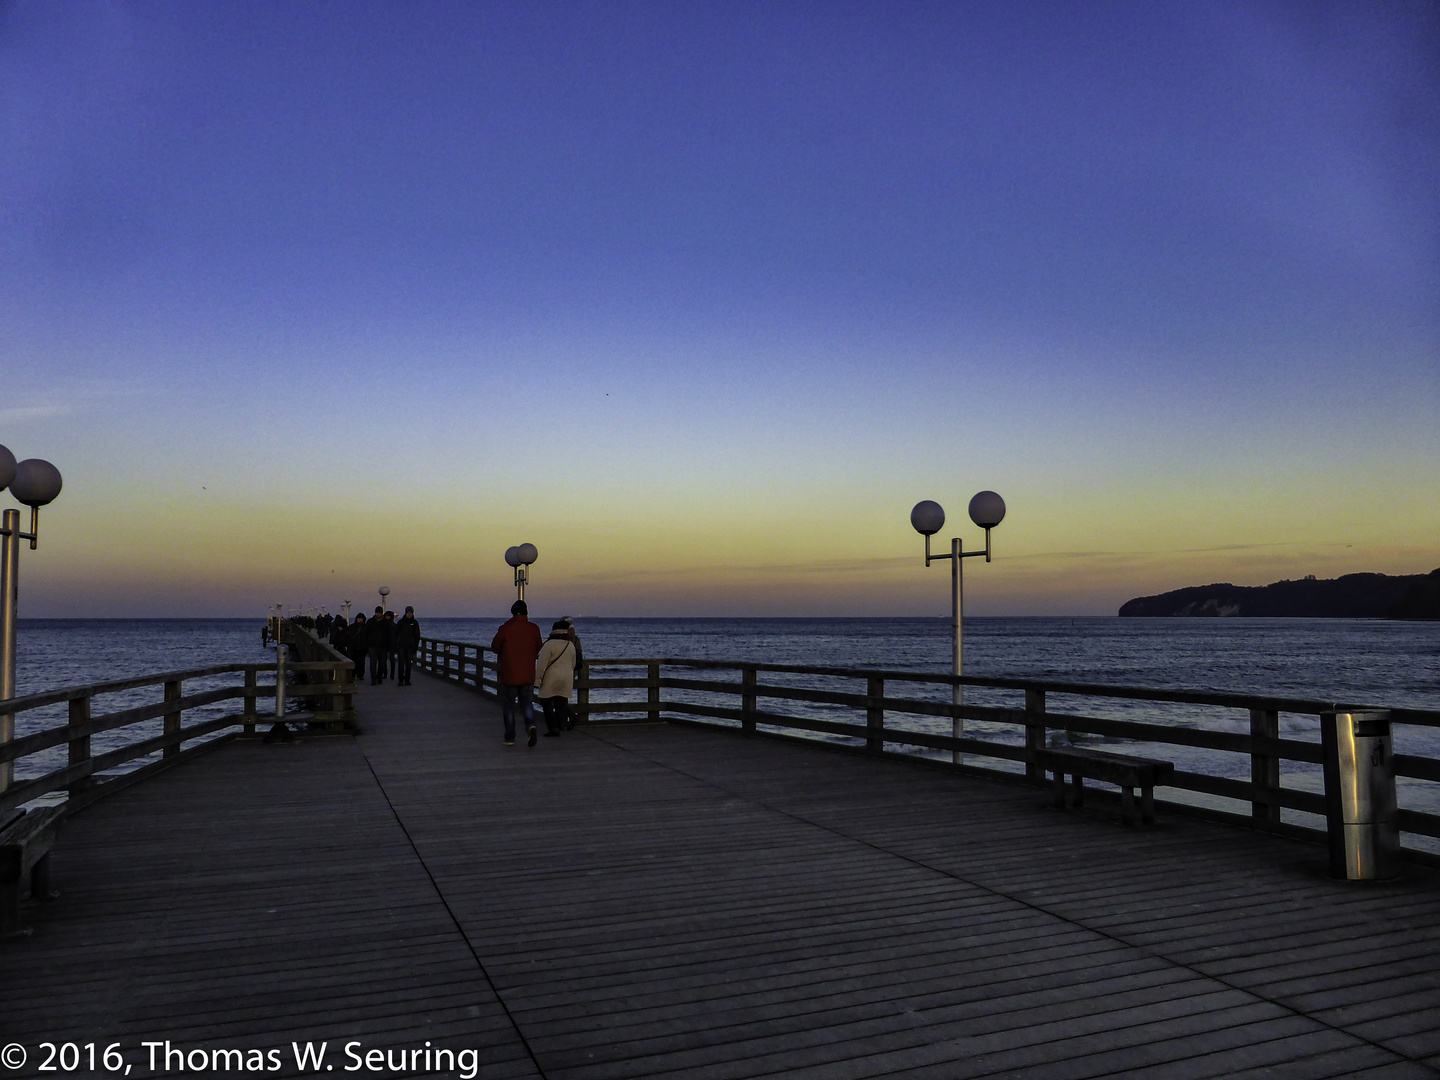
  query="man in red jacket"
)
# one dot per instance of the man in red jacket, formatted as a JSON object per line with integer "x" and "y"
{"x": 516, "y": 645}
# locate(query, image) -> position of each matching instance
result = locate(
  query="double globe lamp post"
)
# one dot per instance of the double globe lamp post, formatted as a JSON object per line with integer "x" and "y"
{"x": 34, "y": 483}
{"x": 520, "y": 557}
{"x": 987, "y": 510}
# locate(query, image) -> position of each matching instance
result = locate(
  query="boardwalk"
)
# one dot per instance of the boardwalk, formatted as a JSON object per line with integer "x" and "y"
{"x": 660, "y": 901}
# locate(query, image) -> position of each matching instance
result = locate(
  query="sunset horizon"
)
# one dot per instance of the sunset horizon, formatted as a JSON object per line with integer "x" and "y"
{"x": 701, "y": 300}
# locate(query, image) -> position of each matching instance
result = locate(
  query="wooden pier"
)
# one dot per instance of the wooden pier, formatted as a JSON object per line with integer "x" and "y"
{"x": 659, "y": 900}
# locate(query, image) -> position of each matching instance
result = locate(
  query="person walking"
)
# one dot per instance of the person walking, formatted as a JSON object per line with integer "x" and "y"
{"x": 407, "y": 640}
{"x": 357, "y": 643}
{"x": 392, "y": 651}
{"x": 377, "y": 644}
{"x": 516, "y": 644}
{"x": 555, "y": 678}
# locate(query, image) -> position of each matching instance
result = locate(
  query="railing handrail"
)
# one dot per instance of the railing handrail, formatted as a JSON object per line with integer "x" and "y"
{"x": 71, "y": 693}
{"x": 462, "y": 644}
{"x": 84, "y": 690}
{"x": 1221, "y": 699}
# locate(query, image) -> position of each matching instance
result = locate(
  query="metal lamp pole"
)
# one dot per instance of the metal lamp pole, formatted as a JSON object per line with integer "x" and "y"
{"x": 987, "y": 510}
{"x": 520, "y": 557}
{"x": 35, "y": 483}
{"x": 384, "y": 598}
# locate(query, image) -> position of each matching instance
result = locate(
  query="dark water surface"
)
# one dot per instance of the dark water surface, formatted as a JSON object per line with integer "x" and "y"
{"x": 1373, "y": 661}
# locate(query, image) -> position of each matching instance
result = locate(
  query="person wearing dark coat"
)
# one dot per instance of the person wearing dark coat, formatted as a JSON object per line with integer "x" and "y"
{"x": 407, "y": 640}
{"x": 377, "y": 645}
{"x": 357, "y": 644}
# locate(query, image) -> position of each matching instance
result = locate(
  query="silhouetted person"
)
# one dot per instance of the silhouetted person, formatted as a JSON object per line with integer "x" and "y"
{"x": 378, "y": 645}
{"x": 516, "y": 645}
{"x": 357, "y": 644}
{"x": 407, "y": 640}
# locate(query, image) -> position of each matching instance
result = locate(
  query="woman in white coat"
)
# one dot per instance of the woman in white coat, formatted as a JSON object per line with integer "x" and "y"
{"x": 555, "y": 678}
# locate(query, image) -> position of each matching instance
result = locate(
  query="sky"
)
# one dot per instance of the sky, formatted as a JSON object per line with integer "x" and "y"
{"x": 307, "y": 297}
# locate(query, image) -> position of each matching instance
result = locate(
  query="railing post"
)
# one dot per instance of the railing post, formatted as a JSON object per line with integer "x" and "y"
{"x": 334, "y": 676}
{"x": 1034, "y": 734}
{"x": 652, "y": 688}
{"x": 448, "y": 665}
{"x": 80, "y": 747}
{"x": 249, "y": 710}
{"x": 1264, "y": 766}
{"x": 346, "y": 675}
{"x": 874, "y": 716}
{"x": 582, "y": 696}
{"x": 279, "y": 683}
{"x": 747, "y": 701}
{"x": 172, "y": 715}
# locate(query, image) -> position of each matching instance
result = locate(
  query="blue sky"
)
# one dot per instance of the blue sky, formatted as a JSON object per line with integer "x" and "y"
{"x": 702, "y": 297}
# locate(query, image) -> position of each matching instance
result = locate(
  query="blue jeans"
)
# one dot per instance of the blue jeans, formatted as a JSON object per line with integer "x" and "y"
{"x": 513, "y": 701}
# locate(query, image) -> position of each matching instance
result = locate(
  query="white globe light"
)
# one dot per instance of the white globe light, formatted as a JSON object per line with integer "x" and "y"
{"x": 987, "y": 509}
{"x": 512, "y": 556}
{"x": 7, "y": 468}
{"x": 928, "y": 518}
{"x": 527, "y": 553}
{"x": 36, "y": 482}
{"x": 384, "y": 590}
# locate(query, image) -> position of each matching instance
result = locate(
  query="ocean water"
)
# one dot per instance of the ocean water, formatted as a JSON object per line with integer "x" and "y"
{"x": 1395, "y": 664}
{"x": 1386, "y": 664}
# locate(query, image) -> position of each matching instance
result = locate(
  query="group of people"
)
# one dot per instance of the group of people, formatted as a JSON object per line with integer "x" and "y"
{"x": 387, "y": 643}
{"x": 530, "y": 668}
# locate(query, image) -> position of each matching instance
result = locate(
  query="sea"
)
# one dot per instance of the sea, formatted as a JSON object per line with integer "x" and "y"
{"x": 1371, "y": 662}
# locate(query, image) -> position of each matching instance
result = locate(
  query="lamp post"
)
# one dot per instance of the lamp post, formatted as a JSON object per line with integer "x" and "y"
{"x": 34, "y": 483}
{"x": 520, "y": 557}
{"x": 384, "y": 593}
{"x": 987, "y": 510}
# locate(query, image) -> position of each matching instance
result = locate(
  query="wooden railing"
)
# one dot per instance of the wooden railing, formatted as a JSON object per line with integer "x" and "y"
{"x": 86, "y": 775}
{"x": 460, "y": 662}
{"x": 882, "y": 725}
{"x": 323, "y": 677}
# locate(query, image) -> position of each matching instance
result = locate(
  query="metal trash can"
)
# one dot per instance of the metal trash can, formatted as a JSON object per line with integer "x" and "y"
{"x": 1360, "y": 795}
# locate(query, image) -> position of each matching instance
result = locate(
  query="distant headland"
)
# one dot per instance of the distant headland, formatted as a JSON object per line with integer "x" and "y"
{"x": 1354, "y": 596}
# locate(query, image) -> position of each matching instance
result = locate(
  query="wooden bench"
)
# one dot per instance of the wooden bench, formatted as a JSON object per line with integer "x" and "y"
{"x": 1128, "y": 772}
{"x": 25, "y": 841}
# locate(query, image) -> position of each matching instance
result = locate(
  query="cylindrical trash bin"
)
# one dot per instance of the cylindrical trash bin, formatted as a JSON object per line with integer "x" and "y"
{"x": 1360, "y": 795}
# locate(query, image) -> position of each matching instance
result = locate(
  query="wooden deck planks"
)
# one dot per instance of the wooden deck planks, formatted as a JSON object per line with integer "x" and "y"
{"x": 254, "y": 896}
{"x": 665, "y": 901}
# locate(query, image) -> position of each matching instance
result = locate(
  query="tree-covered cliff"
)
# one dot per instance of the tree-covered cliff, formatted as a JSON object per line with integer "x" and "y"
{"x": 1354, "y": 596}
